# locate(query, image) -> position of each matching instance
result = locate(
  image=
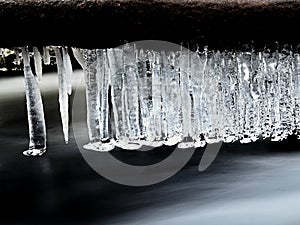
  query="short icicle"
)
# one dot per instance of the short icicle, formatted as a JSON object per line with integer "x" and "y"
{"x": 37, "y": 63}
{"x": 46, "y": 55}
{"x": 68, "y": 69}
{"x": 35, "y": 111}
{"x": 17, "y": 53}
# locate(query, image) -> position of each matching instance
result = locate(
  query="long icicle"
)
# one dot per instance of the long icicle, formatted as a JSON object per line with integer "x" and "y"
{"x": 156, "y": 118}
{"x": 131, "y": 96}
{"x": 91, "y": 62}
{"x": 63, "y": 93}
{"x": 93, "y": 101}
{"x": 35, "y": 111}
{"x": 115, "y": 60}
{"x": 103, "y": 78}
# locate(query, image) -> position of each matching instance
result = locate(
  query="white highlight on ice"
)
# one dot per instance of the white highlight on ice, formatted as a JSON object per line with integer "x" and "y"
{"x": 37, "y": 63}
{"x": 46, "y": 55}
{"x": 68, "y": 69}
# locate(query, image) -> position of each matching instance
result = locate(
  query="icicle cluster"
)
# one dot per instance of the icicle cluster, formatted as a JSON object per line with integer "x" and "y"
{"x": 36, "y": 121}
{"x": 141, "y": 97}
{"x": 189, "y": 98}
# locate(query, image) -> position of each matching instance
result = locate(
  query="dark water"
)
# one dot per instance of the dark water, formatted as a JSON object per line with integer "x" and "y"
{"x": 249, "y": 184}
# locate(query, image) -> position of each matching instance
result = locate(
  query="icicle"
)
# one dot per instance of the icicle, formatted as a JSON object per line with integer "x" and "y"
{"x": 79, "y": 57}
{"x": 209, "y": 102}
{"x": 165, "y": 107}
{"x": 93, "y": 100}
{"x": 196, "y": 92}
{"x": 88, "y": 61}
{"x": 46, "y": 55}
{"x": 115, "y": 60}
{"x": 68, "y": 69}
{"x": 37, "y": 63}
{"x": 249, "y": 95}
{"x": 131, "y": 96}
{"x": 35, "y": 111}
{"x": 274, "y": 93}
{"x": 186, "y": 101}
{"x": 63, "y": 93}
{"x": 103, "y": 78}
{"x": 297, "y": 93}
{"x": 156, "y": 115}
{"x": 266, "y": 101}
{"x": 145, "y": 96}
{"x": 285, "y": 71}
{"x": 17, "y": 53}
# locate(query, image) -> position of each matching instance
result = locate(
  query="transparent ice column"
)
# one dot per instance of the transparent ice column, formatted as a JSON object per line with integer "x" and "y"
{"x": 186, "y": 100}
{"x": 130, "y": 97}
{"x": 35, "y": 111}
{"x": 97, "y": 80}
{"x": 145, "y": 93}
{"x": 115, "y": 59}
{"x": 103, "y": 79}
{"x": 197, "y": 80}
{"x": 156, "y": 114}
{"x": 171, "y": 99}
{"x": 92, "y": 100}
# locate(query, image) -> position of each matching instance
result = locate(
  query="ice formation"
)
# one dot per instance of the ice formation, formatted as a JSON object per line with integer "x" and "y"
{"x": 35, "y": 111}
{"x": 192, "y": 98}
{"x": 139, "y": 97}
{"x": 68, "y": 69}
{"x": 46, "y": 55}
{"x": 64, "y": 70}
{"x": 37, "y": 62}
{"x": 17, "y": 53}
{"x": 95, "y": 66}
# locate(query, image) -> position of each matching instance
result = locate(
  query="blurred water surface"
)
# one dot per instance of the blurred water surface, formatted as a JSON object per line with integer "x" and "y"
{"x": 249, "y": 184}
